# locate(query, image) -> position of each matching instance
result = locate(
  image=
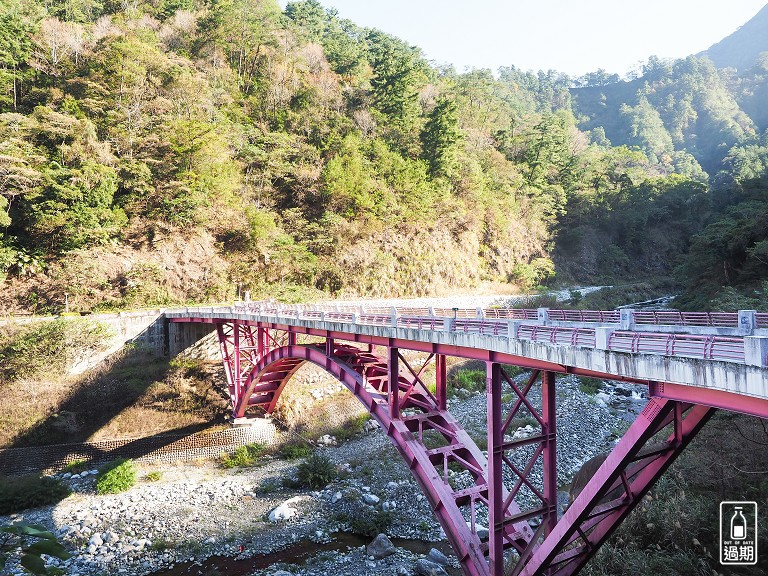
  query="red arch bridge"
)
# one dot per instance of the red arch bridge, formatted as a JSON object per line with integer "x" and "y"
{"x": 693, "y": 364}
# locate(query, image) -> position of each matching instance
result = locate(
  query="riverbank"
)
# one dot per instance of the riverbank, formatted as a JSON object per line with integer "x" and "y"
{"x": 197, "y": 511}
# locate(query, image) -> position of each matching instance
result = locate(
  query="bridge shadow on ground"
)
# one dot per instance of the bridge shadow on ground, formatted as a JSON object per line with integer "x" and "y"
{"x": 132, "y": 394}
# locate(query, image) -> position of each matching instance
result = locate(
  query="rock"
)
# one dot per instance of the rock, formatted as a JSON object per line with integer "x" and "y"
{"x": 437, "y": 557}
{"x": 327, "y": 440}
{"x": 336, "y": 497}
{"x": 285, "y": 510}
{"x": 392, "y": 485}
{"x": 96, "y": 540}
{"x": 371, "y": 499}
{"x": 381, "y": 547}
{"x": 427, "y": 568}
{"x": 387, "y": 506}
{"x": 370, "y": 425}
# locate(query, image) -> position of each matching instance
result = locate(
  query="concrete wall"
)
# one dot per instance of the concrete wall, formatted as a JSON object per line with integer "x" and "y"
{"x": 146, "y": 330}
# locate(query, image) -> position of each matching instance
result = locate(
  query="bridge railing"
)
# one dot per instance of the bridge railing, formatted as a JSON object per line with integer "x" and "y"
{"x": 422, "y": 322}
{"x": 557, "y": 335}
{"x": 512, "y": 313}
{"x": 483, "y": 327}
{"x": 518, "y": 323}
{"x": 690, "y": 345}
{"x": 716, "y": 319}
{"x": 638, "y": 317}
{"x": 603, "y": 316}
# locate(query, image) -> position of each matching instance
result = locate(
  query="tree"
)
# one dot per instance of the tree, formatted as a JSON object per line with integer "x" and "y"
{"x": 439, "y": 138}
{"x": 17, "y": 22}
{"x": 75, "y": 10}
{"x": 398, "y": 72}
{"x": 245, "y": 30}
{"x": 647, "y": 130}
{"x": 310, "y": 18}
{"x": 57, "y": 41}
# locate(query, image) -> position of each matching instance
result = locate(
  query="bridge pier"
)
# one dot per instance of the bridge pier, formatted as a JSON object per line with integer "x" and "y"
{"x": 500, "y": 447}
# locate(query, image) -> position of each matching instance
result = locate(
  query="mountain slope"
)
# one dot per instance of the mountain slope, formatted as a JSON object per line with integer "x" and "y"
{"x": 742, "y": 49}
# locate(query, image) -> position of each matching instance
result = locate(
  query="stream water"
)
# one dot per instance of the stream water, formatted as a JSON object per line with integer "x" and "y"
{"x": 297, "y": 553}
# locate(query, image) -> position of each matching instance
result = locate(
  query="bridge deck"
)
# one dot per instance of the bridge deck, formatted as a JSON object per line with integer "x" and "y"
{"x": 711, "y": 363}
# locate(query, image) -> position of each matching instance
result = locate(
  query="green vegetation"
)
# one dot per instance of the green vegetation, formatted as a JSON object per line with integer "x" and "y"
{"x": 371, "y": 521}
{"x": 590, "y": 385}
{"x": 168, "y": 152}
{"x": 153, "y": 476}
{"x": 29, "y": 351}
{"x": 32, "y": 541}
{"x": 115, "y": 477}
{"x": 469, "y": 379}
{"x": 317, "y": 471}
{"x": 243, "y": 456}
{"x": 76, "y": 466}
{"x": 23, "y": 492}
{"x": 350, "y": 428}
{"x": 294, "y": 449}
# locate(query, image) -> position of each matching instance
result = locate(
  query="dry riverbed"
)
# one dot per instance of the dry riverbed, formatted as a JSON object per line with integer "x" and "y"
{"x": 201, "y": 519}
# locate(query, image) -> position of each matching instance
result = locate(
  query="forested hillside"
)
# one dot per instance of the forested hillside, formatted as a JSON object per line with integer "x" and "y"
{"x": 181, "y": 150}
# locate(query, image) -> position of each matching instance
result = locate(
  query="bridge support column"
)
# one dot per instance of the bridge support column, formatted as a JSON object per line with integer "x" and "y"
{"x": 549, "y": 429}
{"x": 441, "y": 383}
{"x": 236, "y": 369}
{"x": 617, "y": 487}
{"x": 508, "y": 525}
{"x": 495, "y": 468}
{"x": 393, "y": 386}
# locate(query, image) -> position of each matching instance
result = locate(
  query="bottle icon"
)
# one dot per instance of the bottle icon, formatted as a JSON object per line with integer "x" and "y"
{"x": 738, "y": 525}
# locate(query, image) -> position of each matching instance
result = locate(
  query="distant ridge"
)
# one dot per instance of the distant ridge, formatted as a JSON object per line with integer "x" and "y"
{"x": 741, "y": 49}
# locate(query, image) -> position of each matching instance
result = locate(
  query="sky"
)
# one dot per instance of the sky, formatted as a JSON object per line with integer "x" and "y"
{"x": 574, "y": 37}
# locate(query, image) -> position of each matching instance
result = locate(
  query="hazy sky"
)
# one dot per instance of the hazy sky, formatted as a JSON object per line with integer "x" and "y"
{"x": 570, "y": 36}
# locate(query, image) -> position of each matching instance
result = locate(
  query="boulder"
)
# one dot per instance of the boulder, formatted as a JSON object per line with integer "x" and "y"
{"x": 381, "y": 547}
{"x": 427, "y": 568}
{"x": 437, "y": 557}
{"x": 285, "y": 510}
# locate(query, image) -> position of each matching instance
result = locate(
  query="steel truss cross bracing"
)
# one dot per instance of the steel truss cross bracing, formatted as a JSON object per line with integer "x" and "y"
{"x": 520, "y": 466}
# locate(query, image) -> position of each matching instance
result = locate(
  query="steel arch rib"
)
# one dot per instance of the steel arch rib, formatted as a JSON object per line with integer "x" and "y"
{"x": 361, "y": 372}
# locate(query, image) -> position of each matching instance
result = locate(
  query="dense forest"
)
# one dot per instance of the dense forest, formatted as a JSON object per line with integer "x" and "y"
{"x": 165, "y": 151}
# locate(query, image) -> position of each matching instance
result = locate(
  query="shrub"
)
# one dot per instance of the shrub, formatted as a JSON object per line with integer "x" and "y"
{"x": 351, "y": 428}
{"x": 370, "y": 522}
{"x": 153, "y": 476}
{"x": 294, "y": 450}
{"x": 590, "y": 385}
{"x": 23, "y": 492}
{"x": 76, "y": 466}
{"x": 243, "y": 456}
{"x": 316, "y": 471}
{"x": 115, "y": 477}
{"x": 471, "y": 380}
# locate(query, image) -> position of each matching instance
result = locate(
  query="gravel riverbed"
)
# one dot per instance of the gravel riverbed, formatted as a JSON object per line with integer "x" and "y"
{"x": 197, "y": 510}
